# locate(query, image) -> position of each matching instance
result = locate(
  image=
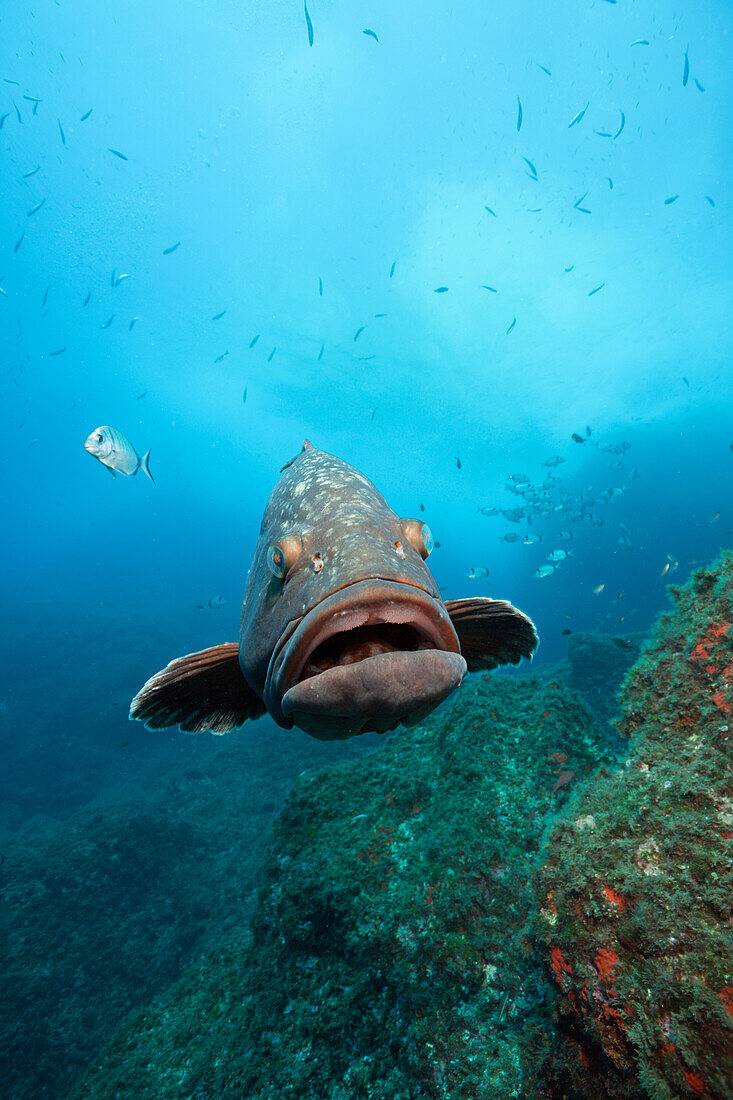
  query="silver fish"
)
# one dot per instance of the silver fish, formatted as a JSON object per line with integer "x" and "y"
{"x": 477, "y": 573}
{"x": 343, "y": 629}
{"x": 544, "y": 571}
{"x": 116, "y": 453}
{"x": 577, "y": 118}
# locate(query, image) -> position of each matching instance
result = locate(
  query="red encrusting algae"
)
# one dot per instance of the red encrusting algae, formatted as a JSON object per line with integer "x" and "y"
{"x": 694, "y": 1082}
{"x": 614, "y": 897}
{"x": 559, "y": 965}
{"x": 604, "y": 963}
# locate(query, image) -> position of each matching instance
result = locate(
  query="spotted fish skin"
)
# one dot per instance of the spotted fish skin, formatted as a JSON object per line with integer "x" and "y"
{"x": 340, "y": 515}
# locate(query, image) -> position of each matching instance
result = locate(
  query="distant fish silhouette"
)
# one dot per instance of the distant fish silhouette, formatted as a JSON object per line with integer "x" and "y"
{"x": 308, "y": 24}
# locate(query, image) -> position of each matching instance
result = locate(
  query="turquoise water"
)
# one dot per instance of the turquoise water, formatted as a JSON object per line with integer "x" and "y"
{"x": 277, "y": 165}
{"x": 489, "y": 237}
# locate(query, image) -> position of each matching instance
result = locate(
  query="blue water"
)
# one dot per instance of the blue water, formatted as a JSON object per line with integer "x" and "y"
{"x": 275, "y": 165}
{"x": 301, "y": 191}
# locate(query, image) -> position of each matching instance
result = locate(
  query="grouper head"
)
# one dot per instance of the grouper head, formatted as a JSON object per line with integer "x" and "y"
{"x": 343, "y": 628}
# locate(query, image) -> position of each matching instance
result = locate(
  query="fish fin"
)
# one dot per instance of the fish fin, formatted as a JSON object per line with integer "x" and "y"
{"x": 145, "y": 466}
{"x": 110, "y": 470}
{"x": 201, "y": 691}
{"x": 491, "y": 632}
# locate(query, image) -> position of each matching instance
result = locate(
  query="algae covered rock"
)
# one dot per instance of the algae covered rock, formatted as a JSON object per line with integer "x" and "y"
{"x": 105, "y": 911}
{"x": 597, "y": 666}
{"x": 390, "y": 954}
{"x": 636, "y": 890}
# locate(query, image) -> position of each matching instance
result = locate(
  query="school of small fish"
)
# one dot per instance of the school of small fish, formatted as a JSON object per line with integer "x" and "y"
{"x": 601, "y": 124}
{"x": 544, "y": 500}
{"x": 546, "y": 503}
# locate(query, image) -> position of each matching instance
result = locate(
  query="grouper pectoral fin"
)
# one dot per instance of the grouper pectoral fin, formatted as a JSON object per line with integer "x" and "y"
{"x": 201, "y": 691}
{"x": 491, "y": 632}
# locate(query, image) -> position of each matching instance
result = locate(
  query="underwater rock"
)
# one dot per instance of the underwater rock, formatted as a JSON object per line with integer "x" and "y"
{"x": 598, "y": 664}
{"x": 103, "y": 912}
{"x": 635, "y": 893}
{"x": 390, "y": 952}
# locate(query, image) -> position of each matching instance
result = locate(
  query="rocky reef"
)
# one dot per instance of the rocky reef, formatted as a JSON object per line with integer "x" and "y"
{"x": 636, "y": 889}
{"x": 596, "y": 666}
{"x": 509, "y": 900}
{"x": 391, "y": 952}
{"x": 104, "y": 911}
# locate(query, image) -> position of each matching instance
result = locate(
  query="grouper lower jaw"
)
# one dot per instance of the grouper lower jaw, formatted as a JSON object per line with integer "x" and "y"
{"x": 373, "y": 695}
{"x": 366, "y": 657}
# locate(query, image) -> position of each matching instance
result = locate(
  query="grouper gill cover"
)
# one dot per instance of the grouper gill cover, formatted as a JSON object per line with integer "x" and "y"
{"x": 343, "y": 627}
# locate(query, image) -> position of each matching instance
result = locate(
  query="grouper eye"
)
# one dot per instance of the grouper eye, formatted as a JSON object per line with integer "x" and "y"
{"x": 419, "y": 535}
{"x": 282, "y": 555}
{"x": 276, "y": 561}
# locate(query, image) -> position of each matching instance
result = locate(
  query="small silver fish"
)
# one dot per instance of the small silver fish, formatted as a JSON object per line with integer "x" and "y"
{"x": 116, "y": 453}
{"x": 544, "y": 571}
{"x": 577, "y": 118}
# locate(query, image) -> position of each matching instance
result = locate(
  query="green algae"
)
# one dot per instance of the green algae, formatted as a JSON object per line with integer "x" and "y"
{"x": 635, "y": 892}
{"x": 390, "y": 954}
{"x": 104, "y": 912}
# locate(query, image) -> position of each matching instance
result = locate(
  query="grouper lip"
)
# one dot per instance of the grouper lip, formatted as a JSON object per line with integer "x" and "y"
{"x": 363, "y": 603}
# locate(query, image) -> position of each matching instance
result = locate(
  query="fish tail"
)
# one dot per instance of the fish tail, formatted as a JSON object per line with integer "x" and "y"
{"x": 145, "y": 466}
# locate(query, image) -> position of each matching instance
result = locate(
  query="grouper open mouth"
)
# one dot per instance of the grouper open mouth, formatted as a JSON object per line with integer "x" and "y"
{"x": 366, "y": 658}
